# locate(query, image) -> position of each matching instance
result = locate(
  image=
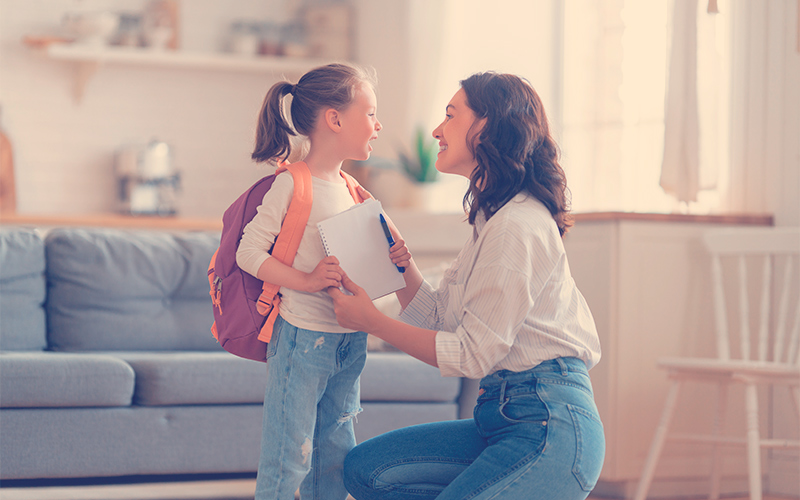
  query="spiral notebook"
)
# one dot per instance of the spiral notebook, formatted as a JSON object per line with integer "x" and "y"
{"x": 356, "y": 238}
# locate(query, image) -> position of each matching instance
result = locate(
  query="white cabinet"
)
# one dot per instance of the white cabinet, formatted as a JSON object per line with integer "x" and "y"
{"x": 647, "y": 281}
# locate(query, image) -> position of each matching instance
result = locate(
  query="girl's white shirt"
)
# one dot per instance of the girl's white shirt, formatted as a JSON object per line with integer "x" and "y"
{"x": 311, "y": 311}
{"x": 508, "y": 302}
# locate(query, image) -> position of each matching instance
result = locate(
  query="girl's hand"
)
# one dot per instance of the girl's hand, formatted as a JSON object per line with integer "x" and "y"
{"x": 326, "y": 274}
{"x": 400, "y": 254}
{"x": 356, "y": 312}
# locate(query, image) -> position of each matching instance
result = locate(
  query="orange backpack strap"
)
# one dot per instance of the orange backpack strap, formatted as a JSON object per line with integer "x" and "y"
{"x": 352, "y": 185}
{"x": 288, "y": 240}
{"x": 294, "y": 223}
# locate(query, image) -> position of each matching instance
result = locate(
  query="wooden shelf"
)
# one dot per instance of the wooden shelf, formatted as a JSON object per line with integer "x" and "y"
{"x": 88, "y": 58}
{"x": 180, "y": 59}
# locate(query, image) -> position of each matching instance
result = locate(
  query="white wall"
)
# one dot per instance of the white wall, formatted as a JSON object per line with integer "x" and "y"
{"x": 64, "y": 150}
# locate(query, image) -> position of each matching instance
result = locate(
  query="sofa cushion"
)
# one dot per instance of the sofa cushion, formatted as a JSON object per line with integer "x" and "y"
{"x": 22, "y": 290}
{"x": 129, "y": 290}
{"x": 195, "y": 378}
{"x": 49, "y": 379}
{"x": 392, "y": 376}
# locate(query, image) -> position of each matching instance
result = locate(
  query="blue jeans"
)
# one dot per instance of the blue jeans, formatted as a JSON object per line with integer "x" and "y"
{"x": 536, "y": 435}
{"x": 311, "y": 400}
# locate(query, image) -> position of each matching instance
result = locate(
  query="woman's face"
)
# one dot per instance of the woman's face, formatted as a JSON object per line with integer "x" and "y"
{"x": 454, "y": 135}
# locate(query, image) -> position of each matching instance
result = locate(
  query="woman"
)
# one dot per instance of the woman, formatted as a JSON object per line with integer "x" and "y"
{"x": 507, "y": 312}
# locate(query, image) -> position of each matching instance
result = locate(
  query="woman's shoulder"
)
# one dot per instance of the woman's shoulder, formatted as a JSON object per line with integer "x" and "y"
{"x": 520, "y": 231}
{"x": 525, "y": 214}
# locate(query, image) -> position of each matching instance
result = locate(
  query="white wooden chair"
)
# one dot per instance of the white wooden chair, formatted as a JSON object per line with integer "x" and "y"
{"x": 774, "y": 329}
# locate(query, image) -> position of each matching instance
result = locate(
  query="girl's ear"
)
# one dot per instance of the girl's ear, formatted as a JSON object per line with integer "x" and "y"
{"x": 332, "y": 119}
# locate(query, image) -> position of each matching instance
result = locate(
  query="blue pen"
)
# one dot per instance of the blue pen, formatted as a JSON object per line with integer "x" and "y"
{"x": 390, "y": 239}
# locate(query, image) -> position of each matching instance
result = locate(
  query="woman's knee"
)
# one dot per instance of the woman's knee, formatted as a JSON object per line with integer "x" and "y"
{"x": 356, "y": 469}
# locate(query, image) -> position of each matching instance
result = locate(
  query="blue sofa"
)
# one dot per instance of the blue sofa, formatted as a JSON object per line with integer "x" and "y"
{"x": 108, "y": 367}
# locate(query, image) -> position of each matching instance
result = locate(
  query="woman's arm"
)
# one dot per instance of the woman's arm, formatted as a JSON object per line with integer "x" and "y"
{"x": 358, "y": 313}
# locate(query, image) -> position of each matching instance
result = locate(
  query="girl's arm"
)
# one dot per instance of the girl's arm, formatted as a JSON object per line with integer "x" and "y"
{"x": 358, "y": 313}
{"x": 260, "y": 234}
{"x": 326, "y": 274}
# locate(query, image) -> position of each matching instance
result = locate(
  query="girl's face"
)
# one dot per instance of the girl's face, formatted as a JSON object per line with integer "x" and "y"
{"x": 360, "y": 124}
{"x": 454, "y": 135}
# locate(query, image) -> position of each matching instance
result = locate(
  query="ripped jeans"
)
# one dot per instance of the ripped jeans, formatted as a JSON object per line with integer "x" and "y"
{"x": 536, "y": 435}
{"x": 311, "y": 400}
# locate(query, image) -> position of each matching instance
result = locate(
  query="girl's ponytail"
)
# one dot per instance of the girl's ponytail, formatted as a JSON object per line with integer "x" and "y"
{"x": 273, "y": 143}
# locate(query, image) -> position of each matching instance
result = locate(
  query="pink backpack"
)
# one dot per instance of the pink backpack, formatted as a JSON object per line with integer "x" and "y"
{"x": 245, "y": 308}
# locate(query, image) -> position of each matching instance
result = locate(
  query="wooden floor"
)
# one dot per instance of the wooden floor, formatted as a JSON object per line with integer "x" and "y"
{"x": 235, "y": 489}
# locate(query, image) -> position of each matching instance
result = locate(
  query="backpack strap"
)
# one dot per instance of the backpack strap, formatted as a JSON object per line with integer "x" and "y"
{"x": 352, "y": 185}
{"x": 287, "y": 242}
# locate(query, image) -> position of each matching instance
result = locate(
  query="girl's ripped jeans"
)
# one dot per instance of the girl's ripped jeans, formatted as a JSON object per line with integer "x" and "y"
{"x": 311, "y": 399}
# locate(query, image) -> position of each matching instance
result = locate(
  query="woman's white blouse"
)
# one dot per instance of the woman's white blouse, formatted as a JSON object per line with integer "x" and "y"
{"x": 508, "y": 302}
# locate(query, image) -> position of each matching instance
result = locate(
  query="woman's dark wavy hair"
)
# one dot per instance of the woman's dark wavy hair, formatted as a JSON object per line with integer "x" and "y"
{"x": 514, "y": 150}
{"x": 330, "y": 86}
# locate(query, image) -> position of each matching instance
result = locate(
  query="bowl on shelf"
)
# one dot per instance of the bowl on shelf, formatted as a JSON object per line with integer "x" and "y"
{"x": 91, "y": 28}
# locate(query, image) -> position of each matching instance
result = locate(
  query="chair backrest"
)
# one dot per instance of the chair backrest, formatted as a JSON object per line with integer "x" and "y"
{"x": 756, "y": 269}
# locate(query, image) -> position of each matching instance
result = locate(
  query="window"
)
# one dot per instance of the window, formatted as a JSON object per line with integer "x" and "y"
{"x": 616, "y": 62}
{"x": 601, "y": 69}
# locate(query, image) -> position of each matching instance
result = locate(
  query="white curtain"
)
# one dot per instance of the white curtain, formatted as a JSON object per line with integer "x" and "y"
{"x": 680, "y": 169}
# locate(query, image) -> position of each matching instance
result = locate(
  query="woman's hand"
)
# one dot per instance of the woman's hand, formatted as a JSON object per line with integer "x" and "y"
{"x": 356, "y": 312}
{"x": 326, "y": 274}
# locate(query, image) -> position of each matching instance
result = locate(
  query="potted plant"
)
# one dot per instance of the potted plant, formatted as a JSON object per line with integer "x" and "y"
{"x": 421, "y": 166}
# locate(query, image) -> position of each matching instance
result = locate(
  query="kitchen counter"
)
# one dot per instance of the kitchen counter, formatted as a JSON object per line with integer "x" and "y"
{"x": 212, "y": 224}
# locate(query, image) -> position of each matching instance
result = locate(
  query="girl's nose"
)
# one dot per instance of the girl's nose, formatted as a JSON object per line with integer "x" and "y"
{"x": 378, "y": 126}
{"x": 437, "y": 134}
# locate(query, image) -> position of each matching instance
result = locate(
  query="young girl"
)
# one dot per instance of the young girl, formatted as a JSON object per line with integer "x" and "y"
{"x": 313, "y": 363}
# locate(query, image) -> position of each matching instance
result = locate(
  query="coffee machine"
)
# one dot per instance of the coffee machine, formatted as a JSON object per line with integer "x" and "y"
{"x": 147, "y": 180}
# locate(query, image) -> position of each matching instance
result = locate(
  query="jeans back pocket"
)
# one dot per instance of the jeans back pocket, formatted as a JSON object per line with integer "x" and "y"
{"x": 591, "y": 447}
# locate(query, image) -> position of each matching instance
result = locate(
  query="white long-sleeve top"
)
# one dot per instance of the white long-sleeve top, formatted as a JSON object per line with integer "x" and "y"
{"x": 311, "y": 311}
{"x": 508, "y": 301}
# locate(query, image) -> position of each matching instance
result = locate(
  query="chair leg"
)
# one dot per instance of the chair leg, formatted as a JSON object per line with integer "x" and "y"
{"x": 716, "y": 455}
{"x": 753, "y": 441}
{"x": 658, "y": 442}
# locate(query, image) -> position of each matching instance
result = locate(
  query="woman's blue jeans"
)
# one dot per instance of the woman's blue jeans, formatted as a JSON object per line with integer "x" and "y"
{"x": 311, "y": 399}
{"x": 535, "y": 435}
